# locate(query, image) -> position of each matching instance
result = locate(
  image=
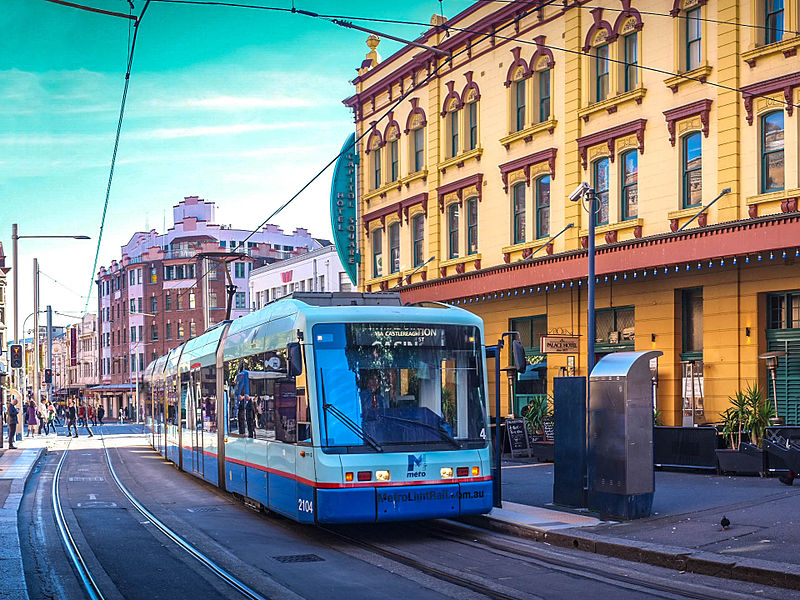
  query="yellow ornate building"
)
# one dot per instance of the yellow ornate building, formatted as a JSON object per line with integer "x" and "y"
{"x": 468, "y": 161}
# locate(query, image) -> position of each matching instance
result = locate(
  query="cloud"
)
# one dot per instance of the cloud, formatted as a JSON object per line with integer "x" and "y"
{"x": 224, "y": 103}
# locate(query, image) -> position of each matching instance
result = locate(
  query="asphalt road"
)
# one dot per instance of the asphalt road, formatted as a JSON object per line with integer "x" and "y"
{"x": 282, "y": 559}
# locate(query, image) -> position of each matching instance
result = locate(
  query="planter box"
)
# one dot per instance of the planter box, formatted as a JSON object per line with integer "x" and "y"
{"x": 685, "y": 447}
{"x": 543, "y": 451}
{"x": 742, "y": 462}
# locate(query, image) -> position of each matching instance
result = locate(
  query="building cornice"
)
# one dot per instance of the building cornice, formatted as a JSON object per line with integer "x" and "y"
{"x": 698, "y": 245}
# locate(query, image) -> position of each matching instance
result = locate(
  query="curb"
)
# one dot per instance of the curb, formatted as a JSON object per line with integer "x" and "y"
{"x": 14, "y": 585}
{"x": 778, "y": 574}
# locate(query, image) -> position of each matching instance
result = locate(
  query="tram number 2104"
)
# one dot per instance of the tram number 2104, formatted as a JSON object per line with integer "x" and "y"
{"x": 305, "y": 505}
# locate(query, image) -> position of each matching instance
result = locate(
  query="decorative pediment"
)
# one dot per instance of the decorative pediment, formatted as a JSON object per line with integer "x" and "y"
{"x": 529, "y": 166}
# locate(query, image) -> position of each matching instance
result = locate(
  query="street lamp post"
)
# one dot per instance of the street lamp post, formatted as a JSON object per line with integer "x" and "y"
{"x": 15, "y": 237}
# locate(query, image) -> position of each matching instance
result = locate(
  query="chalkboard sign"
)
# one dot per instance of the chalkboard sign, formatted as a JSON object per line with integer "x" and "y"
{"x": 518, "y": 437}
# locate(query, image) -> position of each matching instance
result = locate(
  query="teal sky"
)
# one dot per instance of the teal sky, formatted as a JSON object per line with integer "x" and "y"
{"x": 240, "y": 107}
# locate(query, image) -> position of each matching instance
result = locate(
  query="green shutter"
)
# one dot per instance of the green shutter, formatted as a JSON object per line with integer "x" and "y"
{"x": 788, "y": 373}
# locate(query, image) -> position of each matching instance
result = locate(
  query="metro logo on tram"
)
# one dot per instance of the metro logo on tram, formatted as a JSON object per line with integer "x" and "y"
{"x": 416, "y": 466}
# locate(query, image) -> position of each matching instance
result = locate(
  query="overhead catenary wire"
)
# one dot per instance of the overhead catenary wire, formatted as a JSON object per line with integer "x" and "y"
{"x": 402, "y": 97}
{"x": 131, "y": 49}
{"x": 56, "y": 281}
{"x": 92, "y": 9}
{"x": 333, "y": 18}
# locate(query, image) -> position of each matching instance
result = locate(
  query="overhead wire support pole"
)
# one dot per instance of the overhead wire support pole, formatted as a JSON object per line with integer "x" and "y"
{"x": 569, "y": 225}
{"x": 705, "y": 208}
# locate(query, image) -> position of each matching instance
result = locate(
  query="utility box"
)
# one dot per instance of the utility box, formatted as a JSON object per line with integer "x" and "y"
{"x": 569, "y": 463}
{"x": 620, "y": 458}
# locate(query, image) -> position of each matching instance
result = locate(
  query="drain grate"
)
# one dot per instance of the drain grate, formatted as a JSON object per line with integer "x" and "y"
{"x": 203, "y": 509}
{"x": 298, "y": 558}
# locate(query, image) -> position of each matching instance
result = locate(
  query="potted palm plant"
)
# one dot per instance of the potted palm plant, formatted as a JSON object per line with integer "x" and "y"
{"x": 538, "y": 420}
{"x": 743, "y": 425}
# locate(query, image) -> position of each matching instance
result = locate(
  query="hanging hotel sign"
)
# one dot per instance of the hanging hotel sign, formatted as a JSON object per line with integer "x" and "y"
{"x": 559, "y": 344}
{"x": 343, "y": 208}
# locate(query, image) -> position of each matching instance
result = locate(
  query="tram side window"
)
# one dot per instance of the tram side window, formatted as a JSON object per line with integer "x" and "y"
{"x": 208, "y": 395}
{"x": 263, "y": 403}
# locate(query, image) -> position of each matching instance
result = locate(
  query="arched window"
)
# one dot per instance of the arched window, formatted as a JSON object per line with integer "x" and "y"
{"x": 772, "y": 160}
{"x": 472, "y": 226}
{"x": 519, "y": 105}
{"x": 630, "y": 184}
{"x": 692, "y": 163}
{"x": 377, "y": 253}
{"x": 470, "y": 96}
{"x": 376, "y": 168}
{"x": 472, "y": 125}
{"x": 418, "y": 148}
{"x": 543, "y": 78}
{"x": 394, "y": 247}
{"x": 374, "y": 145}
{"x": 418, "y": 238}
{"x": 518, "y": 210}
{"x": 452, "y": 133}
{"x": 601, "y": 76}
{"x": 415, "y": 128}
{"x": 600, "y": 184}
{"x": 630, "y": 45}
{"x": 452, "y": 228}
{"x": 543, "y": 207}
{"x": 392, "y": 137}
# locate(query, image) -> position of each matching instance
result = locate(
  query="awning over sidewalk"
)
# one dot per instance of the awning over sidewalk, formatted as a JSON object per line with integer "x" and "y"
{"x": 115, "y": 387}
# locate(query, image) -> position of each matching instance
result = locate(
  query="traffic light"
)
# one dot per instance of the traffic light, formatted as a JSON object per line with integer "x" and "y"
{"x": 16, "y": 356}
{"x": 48, "y": 375}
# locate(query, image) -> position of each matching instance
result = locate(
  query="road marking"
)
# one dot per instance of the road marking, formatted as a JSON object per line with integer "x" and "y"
{"x": 92, "y": 496}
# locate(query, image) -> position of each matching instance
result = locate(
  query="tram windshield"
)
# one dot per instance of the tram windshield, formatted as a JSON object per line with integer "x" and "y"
{"x": 385, "y": 386}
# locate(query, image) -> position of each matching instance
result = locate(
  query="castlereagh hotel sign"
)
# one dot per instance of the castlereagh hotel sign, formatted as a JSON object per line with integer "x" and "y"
{"x": 343, "y": 208}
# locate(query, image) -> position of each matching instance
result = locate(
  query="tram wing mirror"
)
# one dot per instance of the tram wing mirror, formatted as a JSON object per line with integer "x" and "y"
{"x": 294, "y": 359}
{"x": 518, "y": 351}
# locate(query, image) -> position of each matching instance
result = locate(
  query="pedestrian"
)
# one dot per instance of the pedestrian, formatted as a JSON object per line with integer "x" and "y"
{"x": 90, "y": 410}
{"x": 32, "y": 422}
{"x": 13, "y": 413}
{"x": 101, "y": 412}
{"x": 71, "y": 416}
{"x": 250, "y": 415}
{"x": 82, "y": 414}
{"x": 58, "y": 411}
{"x": 41, "y": 412}
{"x": 51, "y": 418}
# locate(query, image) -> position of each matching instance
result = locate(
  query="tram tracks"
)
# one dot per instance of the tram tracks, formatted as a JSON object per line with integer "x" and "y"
{"x": 527, "y": 555}
{"x": 87, "y": 579}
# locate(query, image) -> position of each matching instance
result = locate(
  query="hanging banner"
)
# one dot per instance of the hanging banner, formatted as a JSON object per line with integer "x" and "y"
{"x": 343, "y": 208}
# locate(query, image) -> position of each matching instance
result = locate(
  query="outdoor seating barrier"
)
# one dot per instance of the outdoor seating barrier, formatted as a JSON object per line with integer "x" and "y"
{"x": 685, "y": 447}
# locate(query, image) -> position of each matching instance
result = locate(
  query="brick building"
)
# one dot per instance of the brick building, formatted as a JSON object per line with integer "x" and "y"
{"x": 162, "y": 291}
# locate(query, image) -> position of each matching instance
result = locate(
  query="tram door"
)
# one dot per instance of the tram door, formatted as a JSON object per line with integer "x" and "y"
{"x": 196, "y": 424}
{"x": 158, "y": 415}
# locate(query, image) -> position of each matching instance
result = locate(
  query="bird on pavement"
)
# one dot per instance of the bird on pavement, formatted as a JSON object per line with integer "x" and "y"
{"x": 725, "y": 523}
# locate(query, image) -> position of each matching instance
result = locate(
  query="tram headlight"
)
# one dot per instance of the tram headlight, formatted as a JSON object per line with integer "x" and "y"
{"x": 348, "y": 476}
{"x": 476, "y": 471}
{"x": 383, "y": 475}
{"x": 446, "y": 472}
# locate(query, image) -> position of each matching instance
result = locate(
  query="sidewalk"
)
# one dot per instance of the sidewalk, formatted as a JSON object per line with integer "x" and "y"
{"x": 761, "y": 545}
{"x": 15, "y": 468}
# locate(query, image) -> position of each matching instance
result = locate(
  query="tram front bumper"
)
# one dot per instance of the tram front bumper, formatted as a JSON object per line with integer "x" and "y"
{"x": 400, "y": 503}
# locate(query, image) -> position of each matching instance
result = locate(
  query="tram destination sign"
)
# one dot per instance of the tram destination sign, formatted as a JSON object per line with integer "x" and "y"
{"x": 392, "y": 336}
{"x": 344, "y": 222}
{"x": 559, "y": 344}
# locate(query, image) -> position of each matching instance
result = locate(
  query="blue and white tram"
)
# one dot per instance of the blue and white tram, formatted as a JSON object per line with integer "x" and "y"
{"x": 332, "y": 408}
